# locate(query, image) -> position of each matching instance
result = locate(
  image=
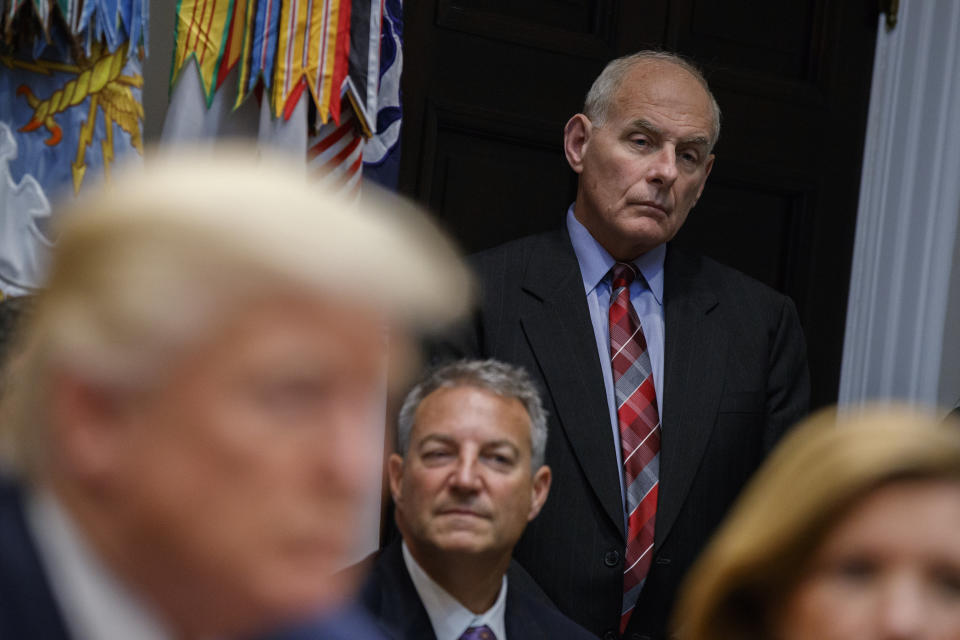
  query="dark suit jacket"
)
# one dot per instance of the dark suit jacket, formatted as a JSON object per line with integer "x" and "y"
{"x": 28, "y": 610}
{"x": 735, "y": 379}
{"x": 390, "y": 596}
{"x": 27, "y": 607}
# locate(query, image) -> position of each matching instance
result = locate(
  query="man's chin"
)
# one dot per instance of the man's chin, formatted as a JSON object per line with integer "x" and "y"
{"x": 642, "y": 210}
{"x": 464, "y": 541}
{"x": 633, "y": 236}
{"x": 646, "y": 229}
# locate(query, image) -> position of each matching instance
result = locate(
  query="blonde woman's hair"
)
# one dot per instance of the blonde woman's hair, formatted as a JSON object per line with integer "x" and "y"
{"x": 815, "y": 476}
{"x": 145, "y": 268}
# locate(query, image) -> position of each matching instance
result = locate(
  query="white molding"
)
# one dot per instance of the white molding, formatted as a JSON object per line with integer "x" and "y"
{"x": 907, "y": 218}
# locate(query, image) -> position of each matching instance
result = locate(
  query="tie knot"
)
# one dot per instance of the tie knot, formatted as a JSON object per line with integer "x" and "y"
{"x": 478, "y": 633}
{"x": 622, "y": 274}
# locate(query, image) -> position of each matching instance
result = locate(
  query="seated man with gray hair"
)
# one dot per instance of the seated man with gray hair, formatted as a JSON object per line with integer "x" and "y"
{"x": 190, "y": 420}
{"x": 467, "y": 478}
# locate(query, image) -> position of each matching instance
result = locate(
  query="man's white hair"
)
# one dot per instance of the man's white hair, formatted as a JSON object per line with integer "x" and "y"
{"x": 151, "y": 265}
{"x": 602, "y": 93}
{"x": 505, "y": 380}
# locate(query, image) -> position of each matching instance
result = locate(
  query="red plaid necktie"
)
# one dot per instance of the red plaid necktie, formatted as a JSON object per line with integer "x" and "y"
{"x": 639, "y": 433}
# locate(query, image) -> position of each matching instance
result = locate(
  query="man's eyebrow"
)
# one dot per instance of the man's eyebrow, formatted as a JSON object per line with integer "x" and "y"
{"x": 437, "y": 437}
{"x": 640, "y": 123}
{"x": 448, "y": 440}
{"x": 493, "y": 444}
{"x": 646, "y": 125}
{"x": 702, "y": 141}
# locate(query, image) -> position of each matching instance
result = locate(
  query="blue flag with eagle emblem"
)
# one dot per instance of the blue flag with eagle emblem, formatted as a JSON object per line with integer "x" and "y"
{"x": 70, "y": 107}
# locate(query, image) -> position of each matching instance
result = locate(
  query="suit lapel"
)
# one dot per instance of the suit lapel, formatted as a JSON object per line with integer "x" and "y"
{"x": 400, "y": 608}
{"x": 695, "y": 351}
{"x": 25, "y": 594}
{"x": 519, "y": 620}
{"x": 556, "y": 323}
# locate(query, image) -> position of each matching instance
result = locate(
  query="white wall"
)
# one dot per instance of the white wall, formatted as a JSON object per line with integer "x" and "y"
{"x": 949, "y": 391}
{"x": 903, "y": 335}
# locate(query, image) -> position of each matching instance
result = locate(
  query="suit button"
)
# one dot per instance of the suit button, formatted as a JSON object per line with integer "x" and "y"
{"x": 611, "y": 558}
{"x": 610, "y": 635}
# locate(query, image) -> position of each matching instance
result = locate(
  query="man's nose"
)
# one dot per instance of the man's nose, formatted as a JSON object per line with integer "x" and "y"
{"x": 663, "y": 167}
{"x": 466, "y": 476}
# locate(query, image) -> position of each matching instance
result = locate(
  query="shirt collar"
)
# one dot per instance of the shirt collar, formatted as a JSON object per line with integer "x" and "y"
{"x": 595, "y": 262}
{"x": 93, "y": 602}
{"x": 448, "y": 617}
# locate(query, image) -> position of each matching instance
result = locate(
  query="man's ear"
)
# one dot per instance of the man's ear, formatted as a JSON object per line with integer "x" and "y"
{"x": 88, "y": 424}
{"x": 706, "y": 173}
{"x": 395, "y": 475}
{"x": 576, "y": 135}
{"x": 540, "y": 490}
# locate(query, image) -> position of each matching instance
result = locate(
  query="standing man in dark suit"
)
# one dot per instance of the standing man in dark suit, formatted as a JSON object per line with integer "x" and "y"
{"x": 668, "y": 376}
{"x": 468, "y": 477}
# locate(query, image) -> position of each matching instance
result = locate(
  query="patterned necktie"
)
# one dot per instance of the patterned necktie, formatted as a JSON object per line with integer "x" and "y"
{"x": 478, "y": 633}
{"x": 639, "y": 424}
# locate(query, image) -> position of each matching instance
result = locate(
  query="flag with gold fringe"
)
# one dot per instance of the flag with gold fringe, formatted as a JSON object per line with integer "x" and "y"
{"x": 284, "y": 46}
{"x": 203, "y": 28}
{"x": 326, "y": 53}
{"x": 312, "y": 52}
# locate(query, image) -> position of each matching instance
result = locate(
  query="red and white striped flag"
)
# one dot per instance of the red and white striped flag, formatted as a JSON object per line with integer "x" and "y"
{"x": 335, "y": 154}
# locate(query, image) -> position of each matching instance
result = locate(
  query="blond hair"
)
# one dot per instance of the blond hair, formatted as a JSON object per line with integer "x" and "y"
{"x": 816, "y": 475}
{"x": 148, "y": 266}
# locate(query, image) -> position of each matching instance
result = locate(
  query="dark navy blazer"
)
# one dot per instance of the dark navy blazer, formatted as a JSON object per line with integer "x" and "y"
{"x": 28, "y": 610}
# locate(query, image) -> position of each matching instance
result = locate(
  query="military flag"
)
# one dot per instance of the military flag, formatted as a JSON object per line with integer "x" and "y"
{"x": 70, "y": 107}
{"x": 381, "y": 154}
{"x": 342, "y": 58}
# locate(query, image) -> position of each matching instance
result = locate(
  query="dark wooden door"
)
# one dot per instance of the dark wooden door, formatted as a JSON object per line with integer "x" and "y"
{"x": 489, "y": 84}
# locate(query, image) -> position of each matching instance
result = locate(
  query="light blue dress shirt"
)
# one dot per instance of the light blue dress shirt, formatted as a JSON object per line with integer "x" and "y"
{"x": 646, "y": 295}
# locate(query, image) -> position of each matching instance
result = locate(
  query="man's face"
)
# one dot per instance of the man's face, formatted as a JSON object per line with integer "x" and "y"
{"x": 644, "y": 167}
{"x": 465, "y": 486}
{"x": 241, "y": 476}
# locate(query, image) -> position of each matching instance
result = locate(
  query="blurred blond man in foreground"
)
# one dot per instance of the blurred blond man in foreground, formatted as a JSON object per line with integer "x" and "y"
{"x": 189, "y": 423}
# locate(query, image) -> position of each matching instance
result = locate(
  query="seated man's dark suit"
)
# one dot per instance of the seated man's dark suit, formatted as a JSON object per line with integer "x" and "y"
{"x": 390, "y": 596}
{"x": 735, "y": 379}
